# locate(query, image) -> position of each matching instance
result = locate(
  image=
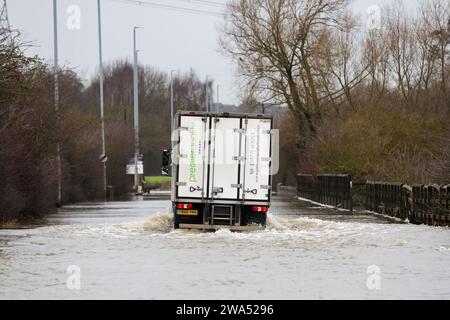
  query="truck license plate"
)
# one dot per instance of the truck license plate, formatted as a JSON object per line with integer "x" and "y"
{"x": 188, "y": 212}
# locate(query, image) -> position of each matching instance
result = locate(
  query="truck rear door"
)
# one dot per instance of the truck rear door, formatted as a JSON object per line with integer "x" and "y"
{"x": 225, "y": 150}
{"x": 193, "y": 157}
{"x": 256, "y": 167}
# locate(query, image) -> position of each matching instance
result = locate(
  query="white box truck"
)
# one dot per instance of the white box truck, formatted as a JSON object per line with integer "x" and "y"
{"x": 222, "y": 171}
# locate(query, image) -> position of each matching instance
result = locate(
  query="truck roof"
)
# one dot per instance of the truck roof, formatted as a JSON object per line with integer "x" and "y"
{"x": 224, "y": 114}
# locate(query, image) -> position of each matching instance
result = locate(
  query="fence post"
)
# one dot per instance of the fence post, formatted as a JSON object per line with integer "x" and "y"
{"x": 350, "y": 195}
{"x": 413, "y": 205}
{"x": 367, "y": 195}
{"x": 447, "y": 205}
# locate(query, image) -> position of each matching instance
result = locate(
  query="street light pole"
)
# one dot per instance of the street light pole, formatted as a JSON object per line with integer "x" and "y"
{"x": 56, "y": 80}
{"x": 172, "y": 108}
{"x": 136, "y": 112}
{"x": 102, "y": 102}
{"x": 207, "y": 94}
{"x": 218, "y": 98}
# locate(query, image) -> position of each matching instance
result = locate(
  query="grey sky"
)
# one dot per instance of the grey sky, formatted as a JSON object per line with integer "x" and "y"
{"x": 169, "y": 40}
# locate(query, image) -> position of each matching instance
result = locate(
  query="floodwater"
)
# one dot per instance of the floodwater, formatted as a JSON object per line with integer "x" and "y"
{"x": 128, "y": 250}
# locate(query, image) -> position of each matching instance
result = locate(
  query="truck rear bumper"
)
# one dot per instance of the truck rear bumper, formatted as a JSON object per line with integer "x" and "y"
{"x": 216, "y": 227}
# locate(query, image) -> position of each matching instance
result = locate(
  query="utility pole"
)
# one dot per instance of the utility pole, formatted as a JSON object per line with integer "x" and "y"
{"x": 207, "y": 95}
{"x": 103, "y": 157}
{"x": 56, "y": 80}
{"x": 137, "y": 182}
{"x": 172, "y": 107}
{"x": 218, "y": 98}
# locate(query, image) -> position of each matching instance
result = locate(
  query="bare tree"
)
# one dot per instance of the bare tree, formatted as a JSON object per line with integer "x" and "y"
{"x": 435, "y": 15}
{"x": 276, "y": 44}
{"x": 402, "y": 49}
{"x": 376, "y": 59}
{"x": 190, "y": 92}
{"x": 341, "y": 64}
{"x": 418, "y": 58}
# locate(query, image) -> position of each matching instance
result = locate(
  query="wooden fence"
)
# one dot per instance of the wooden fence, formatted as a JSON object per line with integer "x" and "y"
{"x": 306, "y": 187}
{"x": 430, "y": 205}
{"x": 388, "y": 198}
{"x": 419, "y": 204}
{"x": 334, "y": 190}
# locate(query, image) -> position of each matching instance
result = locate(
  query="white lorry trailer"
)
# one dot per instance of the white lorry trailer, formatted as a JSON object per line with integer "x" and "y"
{"x": 222, "y": 171}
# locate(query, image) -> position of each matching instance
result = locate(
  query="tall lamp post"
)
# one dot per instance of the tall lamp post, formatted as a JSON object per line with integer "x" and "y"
{"x": 103, "y": 157}
{"x": 207, "y": 94}
{"x": 56, "y": 80}
{"x": 172, "y": 107}
{"x": 136, "y": 113}
{"x": 218, "y": 98}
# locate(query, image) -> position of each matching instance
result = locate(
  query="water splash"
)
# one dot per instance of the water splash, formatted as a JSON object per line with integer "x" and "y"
{"x": 163, "y": 223}
{"x": 276, "y": 223}
{"x": 444, "y": 248}
{"x": 160, "y": 223}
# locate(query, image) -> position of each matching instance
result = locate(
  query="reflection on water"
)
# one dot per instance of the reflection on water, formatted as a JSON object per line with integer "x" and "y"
{"x": 129, "y": 250}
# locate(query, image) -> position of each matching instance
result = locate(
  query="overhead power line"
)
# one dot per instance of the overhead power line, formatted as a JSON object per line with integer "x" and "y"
{"x": 171, "y": 7}
{"x": 205, "y": 2}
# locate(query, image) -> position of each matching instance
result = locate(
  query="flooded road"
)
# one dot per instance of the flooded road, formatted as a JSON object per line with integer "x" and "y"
{"x": 128, "y": 250}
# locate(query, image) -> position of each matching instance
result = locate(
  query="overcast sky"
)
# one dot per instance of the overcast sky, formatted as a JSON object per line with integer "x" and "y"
{"x": 170, "y": 40}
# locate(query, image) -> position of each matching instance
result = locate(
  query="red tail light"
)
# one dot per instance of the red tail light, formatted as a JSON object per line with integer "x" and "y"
{"x": 186, "y": 206}
{"x": 260, "y": 209}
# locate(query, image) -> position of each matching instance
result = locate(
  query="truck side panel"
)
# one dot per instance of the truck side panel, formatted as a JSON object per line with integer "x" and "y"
{"x": 193, "y": 157}
{"x": 256, "y": 169}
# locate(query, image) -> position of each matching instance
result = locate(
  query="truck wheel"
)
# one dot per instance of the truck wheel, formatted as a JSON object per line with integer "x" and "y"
{"x": 176, "y": 224}
{"x": 264, "y": 221}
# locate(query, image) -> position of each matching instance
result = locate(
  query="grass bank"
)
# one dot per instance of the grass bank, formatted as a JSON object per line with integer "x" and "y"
{"x": 158, "y": 182}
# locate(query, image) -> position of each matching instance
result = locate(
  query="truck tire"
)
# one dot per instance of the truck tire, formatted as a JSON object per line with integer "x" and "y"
{"x": 176, "y": 223}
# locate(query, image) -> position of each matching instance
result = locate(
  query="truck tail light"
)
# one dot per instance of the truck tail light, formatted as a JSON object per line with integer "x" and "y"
{"x": 186, "y": 206}
{"x": 260, "y": 209}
